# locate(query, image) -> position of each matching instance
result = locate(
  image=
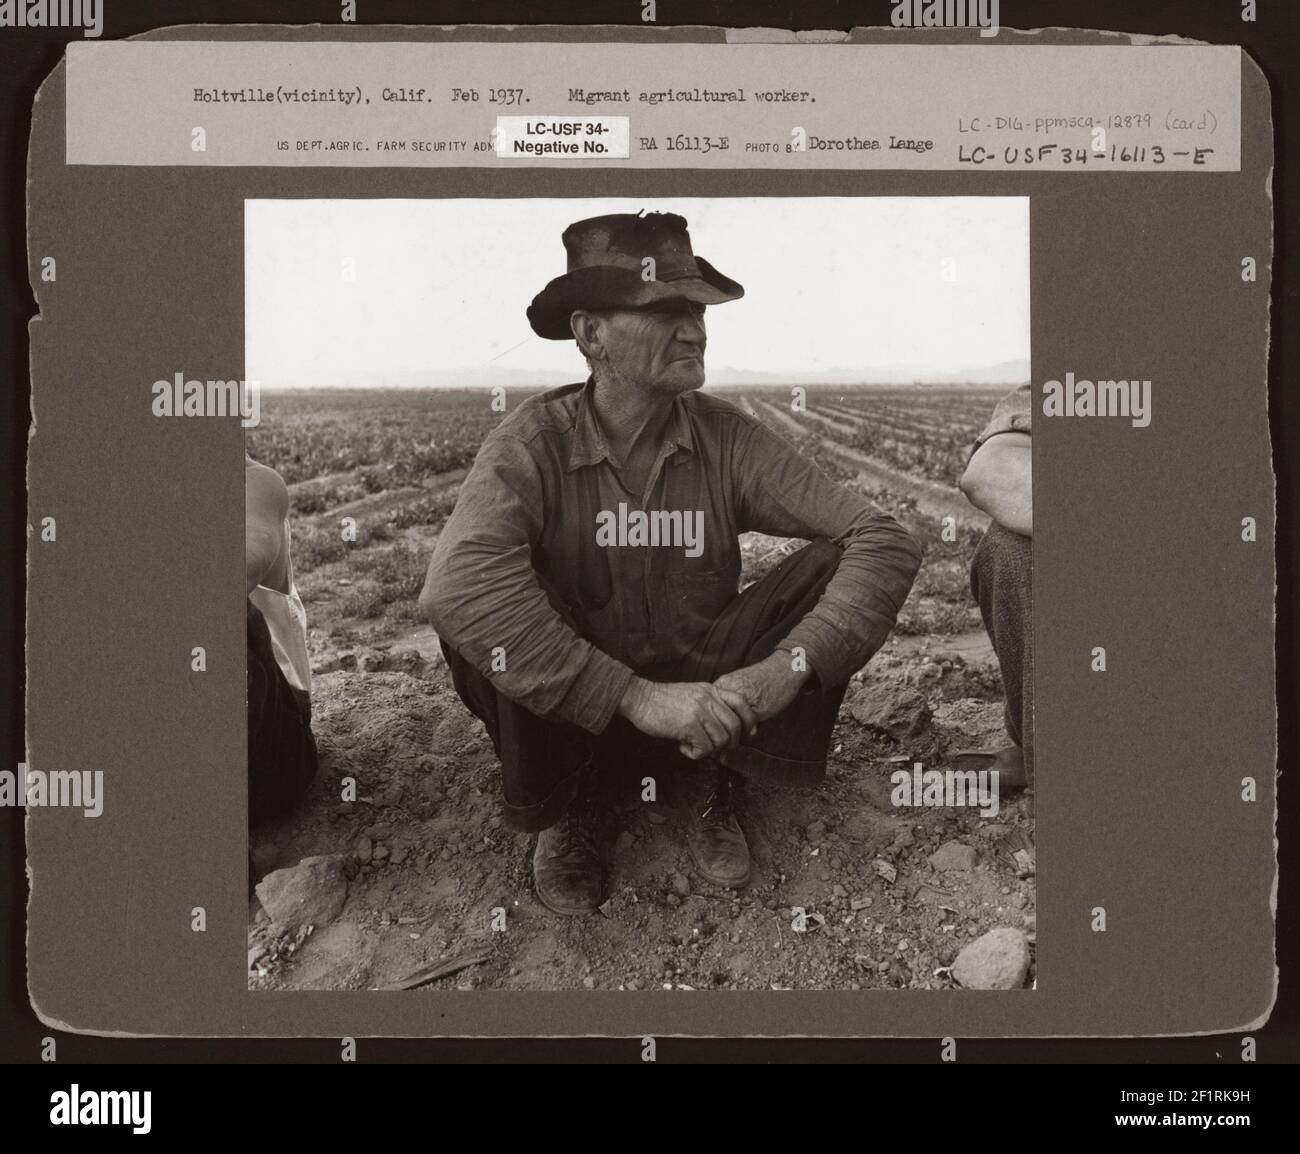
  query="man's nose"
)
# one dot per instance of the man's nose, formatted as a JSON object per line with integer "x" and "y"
{"x": 690, "y": 329}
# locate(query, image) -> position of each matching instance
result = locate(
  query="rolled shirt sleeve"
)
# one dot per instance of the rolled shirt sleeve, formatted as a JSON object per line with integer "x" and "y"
{"x": 484, "y": 598}
{"x": 785, "y": 494}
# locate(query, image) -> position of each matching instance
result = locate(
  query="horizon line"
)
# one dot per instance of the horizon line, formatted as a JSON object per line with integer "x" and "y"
{"x": 917, "y": 384}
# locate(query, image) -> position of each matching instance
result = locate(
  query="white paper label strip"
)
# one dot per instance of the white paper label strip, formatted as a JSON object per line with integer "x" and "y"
{"x": 567, "y": 137}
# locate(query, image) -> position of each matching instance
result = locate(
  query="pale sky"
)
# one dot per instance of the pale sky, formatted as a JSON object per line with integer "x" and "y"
{"x": 831, "y": 284}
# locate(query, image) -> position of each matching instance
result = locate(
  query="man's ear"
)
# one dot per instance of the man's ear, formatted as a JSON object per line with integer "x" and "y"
{"x": 589, "y": 332}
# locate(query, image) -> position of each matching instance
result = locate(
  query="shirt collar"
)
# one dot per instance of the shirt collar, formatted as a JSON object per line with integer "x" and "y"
{"x": 589, "y": 446}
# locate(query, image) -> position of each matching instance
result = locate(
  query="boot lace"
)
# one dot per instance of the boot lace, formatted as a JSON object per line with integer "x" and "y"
{"x": 576, "y": 835}
{"x": 720, "y": 806}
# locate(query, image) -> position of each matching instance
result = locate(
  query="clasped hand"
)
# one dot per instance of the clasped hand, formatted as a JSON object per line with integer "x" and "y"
{"x": 705, "y": 718}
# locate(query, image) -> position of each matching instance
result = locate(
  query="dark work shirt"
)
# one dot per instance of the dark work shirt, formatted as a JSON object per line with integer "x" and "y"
{"x": 537, "y": 526}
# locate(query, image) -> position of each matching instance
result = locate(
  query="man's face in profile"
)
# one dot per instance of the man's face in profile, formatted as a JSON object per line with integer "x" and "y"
{"x": 660, "y": 348}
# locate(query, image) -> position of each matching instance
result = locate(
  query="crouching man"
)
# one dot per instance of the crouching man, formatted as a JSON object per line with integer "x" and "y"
{"x": 585, "y": 586}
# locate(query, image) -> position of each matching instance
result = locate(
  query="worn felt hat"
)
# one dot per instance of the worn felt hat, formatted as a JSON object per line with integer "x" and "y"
{"x": 608, "y": 269}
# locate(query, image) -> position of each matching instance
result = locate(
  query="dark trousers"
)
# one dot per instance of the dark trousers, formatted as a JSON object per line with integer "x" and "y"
{"x": 544, "y": 763}
{"x": 1001, "y": 576}
{"x": 281, "y": 749}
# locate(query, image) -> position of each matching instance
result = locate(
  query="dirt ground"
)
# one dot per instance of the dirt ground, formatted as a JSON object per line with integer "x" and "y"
{"x": 398, "y": 867}
{"x": 420, "y": 868}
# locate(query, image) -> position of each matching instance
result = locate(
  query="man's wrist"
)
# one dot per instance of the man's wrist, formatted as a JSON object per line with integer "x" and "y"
{"x": 783, "y": 661}
{"x": 634, "y": 696}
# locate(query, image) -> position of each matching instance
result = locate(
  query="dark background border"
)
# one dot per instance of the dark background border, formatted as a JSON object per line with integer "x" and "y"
{"x": 26, "y": 57}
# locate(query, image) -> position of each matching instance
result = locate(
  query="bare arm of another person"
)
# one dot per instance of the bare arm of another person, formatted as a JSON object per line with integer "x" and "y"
{"x": 266, "y": 504}
{"x": 997, "y": 480}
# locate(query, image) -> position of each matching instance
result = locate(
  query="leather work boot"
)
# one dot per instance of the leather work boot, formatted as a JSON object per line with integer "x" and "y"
{"x": 567, "y": 870}
{"x": 715, "y": 839}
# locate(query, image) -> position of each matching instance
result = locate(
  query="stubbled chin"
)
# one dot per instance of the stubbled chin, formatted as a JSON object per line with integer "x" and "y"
{"x": 676, "y": 379}
{"x": 689, "y": 382}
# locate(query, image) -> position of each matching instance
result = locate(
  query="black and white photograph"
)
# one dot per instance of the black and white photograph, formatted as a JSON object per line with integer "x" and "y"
{"x": 651, "y": 657}
{"x": 649, "y": 580}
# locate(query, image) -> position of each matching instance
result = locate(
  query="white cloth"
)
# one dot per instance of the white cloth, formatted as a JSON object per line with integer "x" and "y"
{"x": 286, "y": 619}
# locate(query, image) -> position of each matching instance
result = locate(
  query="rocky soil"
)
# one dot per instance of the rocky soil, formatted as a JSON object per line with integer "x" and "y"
{"x": 413, "y": 878}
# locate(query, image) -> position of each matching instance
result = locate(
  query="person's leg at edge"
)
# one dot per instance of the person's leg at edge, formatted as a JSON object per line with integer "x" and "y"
{"x": 282, "y": 759}
{"x": 1001, "y": 580}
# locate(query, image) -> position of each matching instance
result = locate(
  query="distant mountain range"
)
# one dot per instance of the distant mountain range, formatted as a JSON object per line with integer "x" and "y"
{"x": 1004, "y": 373}
{"x": 1008, "y": 373}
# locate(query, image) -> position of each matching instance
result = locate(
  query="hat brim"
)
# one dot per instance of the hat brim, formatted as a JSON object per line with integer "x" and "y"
{"x": 609, "y": 286}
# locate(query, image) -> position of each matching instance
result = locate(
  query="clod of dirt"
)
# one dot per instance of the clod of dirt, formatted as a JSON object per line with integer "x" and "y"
{"x": 902, "y": 840}
{"x": 901, "y": 712}
{"x": 310, "y": 893}
{"x": 899, "y": 974}
{"x": 681, "y": 884}
{"x": 972, "y": 723}
{"x": 952, "y": 855}
{"x": 997, "y": 961}
{"x": 371, "y": 661}
{"x": 928, "y": 673}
